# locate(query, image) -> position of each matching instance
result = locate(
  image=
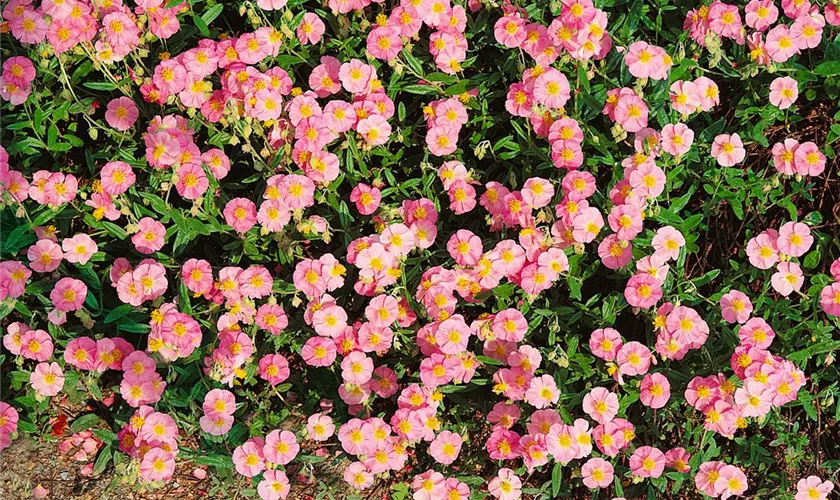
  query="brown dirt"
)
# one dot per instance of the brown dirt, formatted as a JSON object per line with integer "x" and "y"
{"x": 28, "y": 463}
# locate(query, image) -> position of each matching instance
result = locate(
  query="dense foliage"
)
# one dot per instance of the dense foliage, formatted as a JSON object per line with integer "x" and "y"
{"x": 438, "y": 249}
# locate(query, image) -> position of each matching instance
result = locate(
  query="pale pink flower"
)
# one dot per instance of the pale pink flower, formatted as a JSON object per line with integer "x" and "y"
{"x": 79, "y": 249}
{"x": 505, "y": 486}
{"x": 728, "y": 150}
{"x": 445, "y": 447}
{"x": 597, "y": 473}
{"x": 783, "y": 92}
{"x": 735, "y": 307}
{"x": 311, "y": 29}
{"x": 813, "y": 488}
{"x": 601, "y": 405}
{"x": 676, "y": 139}
{"x": 655, "y": 390}
{"x": 122, "y": 113}
{"x": 787, "y": 278}
{"x": 68, "y": 294}
{"x": 47, "y": 379}
{"x": 647, "y": 461}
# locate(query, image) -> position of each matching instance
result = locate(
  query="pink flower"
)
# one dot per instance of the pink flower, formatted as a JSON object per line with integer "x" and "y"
{"x": 830, "y": 299}
{"x": 149, "y": 237}
{"x": 648, "y": 180}
{"x": 44, "y": 256}
{"x": 47, "y": 379}
{"x": 122, "y": 113}
{"x": 81, "y": 353}
{"x": 357, "y": 476}
{"x": 355, "y": 76}
{"x": 706, "y": 476}
{"x": 643, "y": 291}
{"x": 762, "y": 250}
{"x": 216, "y": 424}
{"x": 626, "y": 221}
{"x": 676, "y": 139}
{"x": 633, "y": 358}
{"x": 754, "y": 399}
{"x": 505, "y": 486}
{"x": 677, "y": 459}
{"x": 615, "y": 253}
{"x": 725, "y": 20}
{"x": 274, "y": 368}
{"x": 655, "y": 390}
{"x": 442, "y": 140}
{"x": 631, "y": 112}
{"x": 461, "y": 197}
{"x": 157, "y": 465}
{"x": 35, "y": 344}
{"x": 542, "y": 392}
{"x": 311, "y": 29}
{"x": 808, "y": 159}
{"x": 248, "y": 458}
{"x": 510, "y": 31}
{"x": 551, "y": 89}
{"x": 731, "y": 481}
{"x": 383, "y": 42}
{"x": 318, "y": 351}
{"x": 117, "y": 177}
{"x": 685, "y": 98}
{"x": 366, "y": 198}
{"x": 587, "y": 225}
{"x": 375, "y": 129}
{"x": 319, "y": 427}
{"x": 69, "y": 294}
{"x": 510, "y": 325}
{"x": 757, "y": 333}
{"x": 605, "y": 343}
{"x": 783, "y": 92}
{"x": 275, "y": 484}
{"x": 644, "y": 61}
{"x": 356, "y": 368}
{"x": 780, "y": 44}
{"x": 281, "y": 447}
{"x": 464, "y": 247}
{"x": 601, "y": 405}
{"x": 219, "y": 402}
{"x": 736, "y": 307}
{"x": 761, "y": 14}
{"x": 787, "y": 278}
{"x": 728, "y": 150}
{"x": 240, "y": 214}
{"x": 794, "y": 239}
{"x": 79, "y": 249}
{"x": 445, "y": 447}
{"x": 647, "y": 461}
{"x": 192, "y": 181}
{"x": 667, "y": 242}
{"x": 597, "y": 473}
{"x": 271, "y": 4}
{"x": 813, "y": 488}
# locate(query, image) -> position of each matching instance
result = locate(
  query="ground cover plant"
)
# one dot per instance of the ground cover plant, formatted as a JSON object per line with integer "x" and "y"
{"x": 425, "y": 249}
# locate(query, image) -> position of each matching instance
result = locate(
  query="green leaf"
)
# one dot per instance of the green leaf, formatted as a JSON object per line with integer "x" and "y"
{"x": 86, "y": 422}
{"x": 420, "y": 89}
{"x": 20, "y": 237}
{"x": 118, "y": 313}
{"x": 212, "y": 13}
{"x": 556, "y": 479}
{"x": 812, "y": 259}
{"x": 102, "y": 461}
{"x": 201, "y": 25}
{"x": 828, "y": 68}
{"x": 99, "y": 85}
